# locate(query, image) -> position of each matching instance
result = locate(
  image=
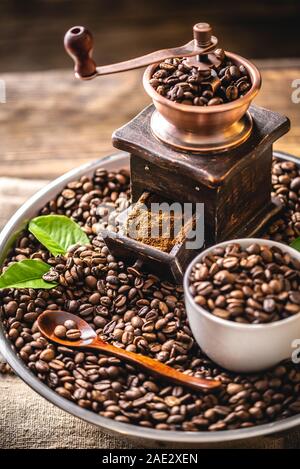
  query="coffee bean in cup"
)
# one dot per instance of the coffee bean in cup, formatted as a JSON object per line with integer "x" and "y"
{"x": 253, "y": 285}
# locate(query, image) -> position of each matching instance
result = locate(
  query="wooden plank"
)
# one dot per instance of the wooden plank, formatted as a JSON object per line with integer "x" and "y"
{"x": 52, "y": 122}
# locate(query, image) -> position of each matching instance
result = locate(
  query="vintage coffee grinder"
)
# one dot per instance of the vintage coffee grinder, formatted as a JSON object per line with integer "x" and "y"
{"x": 219, "y": 155}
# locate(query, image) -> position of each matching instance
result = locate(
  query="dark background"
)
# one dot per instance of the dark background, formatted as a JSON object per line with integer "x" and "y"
{"x": 31, "y": 31}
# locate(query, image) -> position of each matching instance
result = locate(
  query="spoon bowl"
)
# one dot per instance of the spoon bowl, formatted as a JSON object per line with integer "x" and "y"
{"x": 48, "y": 321}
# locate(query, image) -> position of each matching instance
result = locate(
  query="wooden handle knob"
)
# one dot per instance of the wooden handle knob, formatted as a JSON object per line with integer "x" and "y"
{"x": 202, "y": 34}
{"x": 78, "y": 43}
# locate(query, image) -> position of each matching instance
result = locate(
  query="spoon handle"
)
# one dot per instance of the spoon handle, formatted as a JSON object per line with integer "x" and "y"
{"x": 155, "y": 367}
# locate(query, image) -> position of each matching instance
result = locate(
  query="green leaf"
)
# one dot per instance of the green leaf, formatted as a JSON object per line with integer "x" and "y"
{"x": 296, "y": 244}
{"x": 57, "y": 233}
{"x": 26, "y": 274}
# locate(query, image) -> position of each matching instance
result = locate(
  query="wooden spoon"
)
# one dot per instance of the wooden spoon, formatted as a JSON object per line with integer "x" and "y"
{"x": 89, "y": 340}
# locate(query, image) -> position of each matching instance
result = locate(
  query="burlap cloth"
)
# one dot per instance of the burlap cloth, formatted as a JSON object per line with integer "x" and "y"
{"x": 29, "y": 421}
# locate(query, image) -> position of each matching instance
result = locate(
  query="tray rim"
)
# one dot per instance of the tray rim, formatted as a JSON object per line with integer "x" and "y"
{"x": 123, "y": 429}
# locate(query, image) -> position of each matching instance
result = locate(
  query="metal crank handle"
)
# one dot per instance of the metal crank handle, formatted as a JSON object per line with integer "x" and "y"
{"x": 78, "y": 43}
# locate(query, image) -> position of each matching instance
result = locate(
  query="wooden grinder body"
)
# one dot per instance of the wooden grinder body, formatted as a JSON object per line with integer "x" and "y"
{"x": 235, "y": 185}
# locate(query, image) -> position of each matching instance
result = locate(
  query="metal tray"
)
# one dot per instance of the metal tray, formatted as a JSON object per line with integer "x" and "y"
{"x": 143, "y": 436}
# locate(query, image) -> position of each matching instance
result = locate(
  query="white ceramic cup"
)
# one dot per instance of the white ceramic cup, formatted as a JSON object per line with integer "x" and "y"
{"x": 241, "y": 347}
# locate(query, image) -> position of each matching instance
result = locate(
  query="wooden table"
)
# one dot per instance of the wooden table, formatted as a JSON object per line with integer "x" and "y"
{"x": 52, "y": 122}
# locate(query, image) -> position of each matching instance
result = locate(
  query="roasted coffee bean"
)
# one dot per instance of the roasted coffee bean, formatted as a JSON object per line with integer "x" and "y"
{"x": 94, "y": 299}
{"x": 47, "y": 355}
{"x": 215, "y": 101}
{"x": 294, "y": 297}
{"x": 294, "y": 183}
{"x": 220, "y": 54}
{"x": 68, "y": 194}
{"x": 60, "y": 332}
{"x": 232, "y": 93}
{"x": 73, "y": 334}
{"x": 234, "y": 388}
{"x": 10, "y": 308}
{"x": 51, "y": 276}
{"x": 269, "y": 305}
{"x": 91, "y": 281}
{"x": 234, "y": 72}
{"x": 127, "y": 337}
{"x": 221, "y": 313}
{"x": 70, "y": 324}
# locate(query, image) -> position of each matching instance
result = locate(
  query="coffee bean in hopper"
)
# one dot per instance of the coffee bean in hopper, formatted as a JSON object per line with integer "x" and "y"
{"x": 178, "y": 81}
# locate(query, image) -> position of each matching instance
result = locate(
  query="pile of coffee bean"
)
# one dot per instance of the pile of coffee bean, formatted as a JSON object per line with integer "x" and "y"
{"x": 286, "y": 186}
{"x": 182, "y": 83}
{"x": 138, "y": 311}
{"x": 253, "y": 285}
{"x": 68, "y": 330}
